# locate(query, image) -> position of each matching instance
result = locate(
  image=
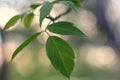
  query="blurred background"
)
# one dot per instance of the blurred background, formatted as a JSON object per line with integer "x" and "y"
{"x": 97, "y": 56}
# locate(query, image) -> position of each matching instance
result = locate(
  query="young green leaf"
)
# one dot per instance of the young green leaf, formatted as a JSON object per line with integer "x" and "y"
{"x": 44, "y": 11}
{"x": 65, "y": 28}
{"x": 12, "y": 21}
{"x": 34, "y": 6}
{"x": 60, "y": 54}
{"x": 28, "y": 20}
{"x": 24, "y": 44}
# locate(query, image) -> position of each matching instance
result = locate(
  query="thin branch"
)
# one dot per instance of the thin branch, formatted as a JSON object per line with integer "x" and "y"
{"x": 59, "y": 16}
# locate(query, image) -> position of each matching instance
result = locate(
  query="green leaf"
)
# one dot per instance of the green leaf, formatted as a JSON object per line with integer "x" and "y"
{"x": 34, "y": 6}
{"x": 12, "y": 21}
{"x": 28, "y": 20}
{"x": 65, "y": 28}
{"x": 45, "y": 10}
{"x": 76, "y": 2}
{"x": 22, "y": 16}
{"x": 61, "y": 55}
{"x": 24, "y": 44}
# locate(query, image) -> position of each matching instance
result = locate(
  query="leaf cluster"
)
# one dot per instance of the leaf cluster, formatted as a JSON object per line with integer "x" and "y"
{"x": 59, "y": 52}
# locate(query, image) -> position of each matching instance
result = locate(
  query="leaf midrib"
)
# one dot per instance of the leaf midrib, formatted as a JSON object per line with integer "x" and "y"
{"x": 59, "y": 53}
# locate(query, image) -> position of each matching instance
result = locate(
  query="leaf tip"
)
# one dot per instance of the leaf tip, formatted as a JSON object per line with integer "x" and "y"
{"x": 11, "y": 59}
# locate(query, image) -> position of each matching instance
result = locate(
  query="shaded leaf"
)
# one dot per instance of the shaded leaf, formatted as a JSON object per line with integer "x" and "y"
{"x": 24, "y": 44}
{"x": 12, "y": 21}
{"x": 34, "y": 6}
{"x": 44, "y": 11}
{"x": 28, "y": 19}
{"x": 65, "y": 28}
{"x": 22, "y": 16}
{"x": 60, "y": 54}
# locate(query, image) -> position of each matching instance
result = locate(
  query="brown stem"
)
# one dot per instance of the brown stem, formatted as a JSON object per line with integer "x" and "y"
{"x": 59, "y": 16}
